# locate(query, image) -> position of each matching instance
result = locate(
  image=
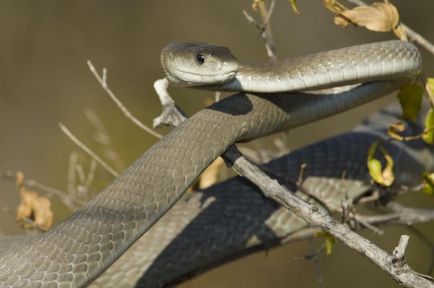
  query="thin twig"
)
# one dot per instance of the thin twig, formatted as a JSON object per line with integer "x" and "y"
{"x": 91, "y": 174}
{"x": 268, "y": 32}
{"x": 102, "y": 136}
{"x": 103, "y": 82}
{"x": 88, "y": 150}
{"x": 413, "y": 35}
{"x": 68, "y": 200}
{"x": 73, "y": 159}
{"x": 265, "y": 29}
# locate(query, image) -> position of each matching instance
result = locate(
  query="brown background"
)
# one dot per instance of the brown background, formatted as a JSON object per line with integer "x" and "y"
{"x": 44, "y": 80}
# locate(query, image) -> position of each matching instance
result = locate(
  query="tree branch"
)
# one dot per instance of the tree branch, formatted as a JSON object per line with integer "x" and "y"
{"x": 102, "y": 79}
{"x": 265, "y": 28}
{"x": 398, "y": 270}
{"x": 86, "y": 149}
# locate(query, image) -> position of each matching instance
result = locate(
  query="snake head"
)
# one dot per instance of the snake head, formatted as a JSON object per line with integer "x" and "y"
{"x": 198, "y": 64}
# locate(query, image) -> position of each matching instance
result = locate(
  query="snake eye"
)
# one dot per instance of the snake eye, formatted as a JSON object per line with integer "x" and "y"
{"x": 200, "y": 59}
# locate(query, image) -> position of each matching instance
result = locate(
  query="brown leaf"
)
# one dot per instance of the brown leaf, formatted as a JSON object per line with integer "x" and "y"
{"x": 394, "y": 131}
{"x": 211, "y": 175}
{"x": 255, "y": 4}
{"x": 34, "y": 210}
{"x": 380, "y": 17}
{"x": 400, "y": 32}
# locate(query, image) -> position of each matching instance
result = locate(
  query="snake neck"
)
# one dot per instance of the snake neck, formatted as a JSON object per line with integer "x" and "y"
{"x": 390, "y": 60}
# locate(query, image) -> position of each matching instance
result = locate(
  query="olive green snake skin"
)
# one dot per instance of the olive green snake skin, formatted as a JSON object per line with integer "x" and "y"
{"x": 76, "y": 251}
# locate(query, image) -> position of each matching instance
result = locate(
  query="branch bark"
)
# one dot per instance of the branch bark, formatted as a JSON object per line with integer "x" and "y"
{"x": 398, "y": 270}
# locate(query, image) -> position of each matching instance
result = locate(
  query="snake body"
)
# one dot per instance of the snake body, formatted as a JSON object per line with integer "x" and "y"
{"x": 233, "y": 218}
{"x": 76, "y": 251}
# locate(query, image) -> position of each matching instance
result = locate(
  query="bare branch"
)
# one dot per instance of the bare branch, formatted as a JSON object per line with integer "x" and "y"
{"x": 399, "y": 251}
{"x": 265, "y": 28}
{"x": 88, "y": 150}
{"x": 312, "y": 214}
{"x": 103, "y": 82}
{"x": 171, "y": 114}
{"x": 102, "y": 137}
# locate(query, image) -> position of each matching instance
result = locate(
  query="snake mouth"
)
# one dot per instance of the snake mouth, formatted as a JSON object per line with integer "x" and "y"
{"x": 182, "y": 77}
{"x": 220, "y": 74}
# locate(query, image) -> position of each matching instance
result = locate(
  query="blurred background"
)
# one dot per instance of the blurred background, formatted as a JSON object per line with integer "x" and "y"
{"x": 44, "y": 80}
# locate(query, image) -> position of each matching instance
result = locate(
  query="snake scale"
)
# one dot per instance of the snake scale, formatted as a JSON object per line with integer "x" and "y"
{"x": 233, "y": 218}
{"x": 76, "y": 251}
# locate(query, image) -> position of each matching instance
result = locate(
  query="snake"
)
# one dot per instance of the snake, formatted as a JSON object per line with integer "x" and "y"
{"x": 233, "y": 218}
{"x": 271, "y": 97}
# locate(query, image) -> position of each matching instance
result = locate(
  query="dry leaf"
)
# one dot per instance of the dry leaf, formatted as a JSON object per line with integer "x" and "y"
{"x": 380, "y": 17}
{"x": 394, "y": 131}
{"x": 211, "y": 175}
{"x": 255, "y": 4}
{"x": 400, "y": 32}
{"x": 34, "y": 210}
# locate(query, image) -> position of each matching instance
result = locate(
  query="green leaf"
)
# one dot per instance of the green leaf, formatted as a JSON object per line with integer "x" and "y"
{"x": 329, "y": 244}
{"x": 330, "y": 241}
{"x": 410, "y": 98}
{"x": 294, "y": 6}
{"x": 374, "y": 165}
{"x": 375, "y": 168}
{"x": 430, "y": 89}
{"x": 428, "y": 135}
{"x": 428, "y": 184}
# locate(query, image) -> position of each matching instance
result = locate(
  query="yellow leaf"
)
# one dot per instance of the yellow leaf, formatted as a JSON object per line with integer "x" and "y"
{"x": 294, "y": 6}
{"x": 400, "y": 32}
{"x": 380, "y": 176}
{"x": 329, "y": 244}
{"x": 428, "y": 134}
{"x": 380, "y": 17}
{"x": 255, "y": 4}
{"x": 428, "y": 187}
{"x": 394, "y": 131}
{"x": 374, "y": 165}
{"x": 430, "y": 89}
{"x": 330, "y": 241}
{"x": 388, "y": 176}
{"x": 410, "y": 98}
